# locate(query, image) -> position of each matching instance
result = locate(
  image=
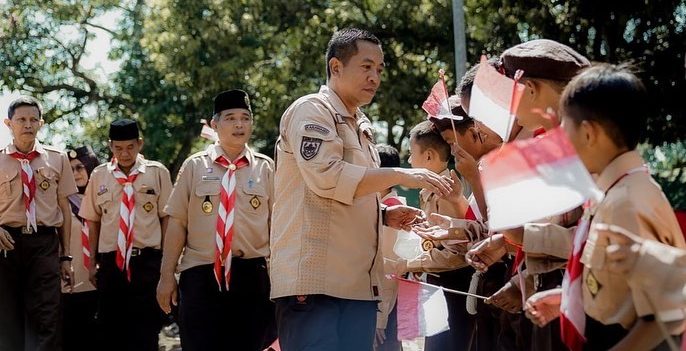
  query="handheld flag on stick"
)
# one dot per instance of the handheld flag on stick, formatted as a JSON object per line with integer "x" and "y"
{"x": 207, "y": 132}
{"x": 495, "y": 98}
{"x": 546, "y": 165}
{"x": 437, "y": 106}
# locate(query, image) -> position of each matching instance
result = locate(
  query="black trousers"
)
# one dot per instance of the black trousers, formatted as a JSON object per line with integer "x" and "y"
{"x": 78, "y": 321}
{"x": 325, "y": 323}
{"x": 459, "y": 337}
{"x": 391, "y": 343}
{"x": 30, "y": 291}
{"x": 239, "y": 319}
{"x": 129, "y": 317}
{"x": 488, "y": 327}
{"x": 548, "y": 338}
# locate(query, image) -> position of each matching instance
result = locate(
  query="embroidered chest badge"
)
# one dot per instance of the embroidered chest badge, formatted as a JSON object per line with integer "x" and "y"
{"x": 44, "y": 185}
{"x": 148, "y": 206}
{"x": 592, "y": 284}
{"x": 309, "y": 147}
{"x": 255, "y": 202}
{"x": 102, "y": 190}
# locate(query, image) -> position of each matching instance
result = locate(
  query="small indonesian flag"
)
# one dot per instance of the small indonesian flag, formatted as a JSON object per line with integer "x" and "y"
{"x": 422, "y": 310}
{"x": 436, "y": 104}
{"x": 473, "y": 212}
{"x": 527, "y": 180}
{"x": 494, "y": 99}
{"x": 207, "y": 132}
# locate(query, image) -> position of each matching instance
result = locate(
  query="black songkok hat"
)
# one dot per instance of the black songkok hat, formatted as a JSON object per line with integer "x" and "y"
{"x": 124, "y": 129}
{"x": 231, "y": 99}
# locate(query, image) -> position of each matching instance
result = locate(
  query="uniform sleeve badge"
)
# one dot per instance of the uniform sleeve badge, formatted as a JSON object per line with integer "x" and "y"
{"x": 427, "y": 245}
{"x": 309, "y": 147}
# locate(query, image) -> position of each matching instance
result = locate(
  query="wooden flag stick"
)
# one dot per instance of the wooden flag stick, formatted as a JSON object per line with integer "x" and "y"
{"x": 440, "y": 287}
{"x": 441, "y": 74}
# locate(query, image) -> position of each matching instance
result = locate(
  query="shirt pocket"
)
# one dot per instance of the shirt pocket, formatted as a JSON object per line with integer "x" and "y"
{"x": 146, "y": 200}
{"x": 47, "y": 179}
{"x": 104, "y": 202}
{"x": 7, "y": 191}
{"x": 253, "y": 200}
{"x": 207, "y": 193}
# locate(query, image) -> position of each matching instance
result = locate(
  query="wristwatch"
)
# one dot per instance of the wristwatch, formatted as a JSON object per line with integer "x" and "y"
{"x": 383, "y": 214}
{"x": 66, "y": 258}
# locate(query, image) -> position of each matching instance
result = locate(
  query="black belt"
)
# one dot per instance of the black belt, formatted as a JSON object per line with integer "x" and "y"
{"x": 134, "y": 252}
{"x": 27, "y": 230}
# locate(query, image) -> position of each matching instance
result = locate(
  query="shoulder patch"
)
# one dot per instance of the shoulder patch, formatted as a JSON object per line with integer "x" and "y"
{"x": 309, "y": 147}
{"x": 311, "y": 127}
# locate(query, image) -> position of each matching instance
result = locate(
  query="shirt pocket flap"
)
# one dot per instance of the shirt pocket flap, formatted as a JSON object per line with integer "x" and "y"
{"x": 207, "y": 188}
{"x": 255, "y": 190}
{"x": 48, "y": 173}
{"x": 103, "y": 198}
{"x": 317, "y": 130}
{"x": 8, "y": 174}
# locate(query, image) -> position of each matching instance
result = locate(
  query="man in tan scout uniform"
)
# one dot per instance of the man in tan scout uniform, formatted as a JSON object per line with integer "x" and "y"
{"x": 123, "y": 206}
{"x": 213, "y": 317}
{"x": 326, "y": 259}
{"x": 35, "y": 181}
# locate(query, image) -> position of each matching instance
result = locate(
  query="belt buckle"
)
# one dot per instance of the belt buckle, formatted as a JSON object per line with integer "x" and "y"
{"x": 135, "y": 252}
{"x": 28, "y": 230}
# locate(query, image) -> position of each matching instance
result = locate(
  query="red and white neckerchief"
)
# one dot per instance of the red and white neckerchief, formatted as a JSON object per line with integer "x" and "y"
{"x": 85, "y": 243}
{"x": 572, "y": 314}
{"x": 225, "y": 219}
{"x": 127, "y": 215}
{"x": 29, "y": 184}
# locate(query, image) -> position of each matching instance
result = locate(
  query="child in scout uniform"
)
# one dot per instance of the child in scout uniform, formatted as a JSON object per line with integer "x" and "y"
{"x": 387, "y": 316}
{"x": 79, "y": 304}
{"x": 123, "y": 206}
{"x": 220, "y": 211}
{"x": 605, "y": 130}
{"x": 429, "y": 150}
{"x": 35, "y": 181}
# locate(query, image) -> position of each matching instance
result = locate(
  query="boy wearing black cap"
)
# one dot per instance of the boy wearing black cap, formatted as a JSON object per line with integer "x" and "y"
{"x": 220, "y": 212}
{"x": 123, "y": 206}
{"x": 79, "y": 305}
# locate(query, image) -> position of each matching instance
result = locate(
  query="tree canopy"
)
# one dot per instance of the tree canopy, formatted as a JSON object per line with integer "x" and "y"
{"x": 174, "y": 56}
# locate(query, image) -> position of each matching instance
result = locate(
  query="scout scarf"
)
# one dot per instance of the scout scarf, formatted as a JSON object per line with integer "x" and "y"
{"x": 127, "y": 215}
{"x": 225, "y": 219}
{"x": 29, "y": 184}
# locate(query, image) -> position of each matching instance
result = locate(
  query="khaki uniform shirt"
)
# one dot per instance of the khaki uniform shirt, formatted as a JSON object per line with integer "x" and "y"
{"x": 548, "y": 243}
{"x": 54, "y": 180}
{"x": 102, "y": 201}
{"x": 637, "y": 204}
{"x": 324, "y": 239}
{"x": 195, "y": 202}
{"x": 660, "y": 271}
{"x": 81, "y": 275}
{"x": 389, "y": 287}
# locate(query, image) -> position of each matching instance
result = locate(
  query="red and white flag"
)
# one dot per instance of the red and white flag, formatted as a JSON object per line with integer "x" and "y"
{"x": 528, "y": 180}
{"x": 207, "y": 132}
{"x": 494, "y": 99}
{"x": 436, "y": 104}
{"x": 422, "y": 309}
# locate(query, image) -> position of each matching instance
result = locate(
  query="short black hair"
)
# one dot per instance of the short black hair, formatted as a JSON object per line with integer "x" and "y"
{"x": 343, "y": 45}
{"x": 426, "y": 136}
{"x": 461, "y": 126}
{"x": 614, "y": 97}
{"x": 24, "y": 101}
{"x": 388, "y": 155}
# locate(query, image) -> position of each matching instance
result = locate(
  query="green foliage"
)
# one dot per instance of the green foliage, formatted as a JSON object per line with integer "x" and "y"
{"x": 667, "y": 165}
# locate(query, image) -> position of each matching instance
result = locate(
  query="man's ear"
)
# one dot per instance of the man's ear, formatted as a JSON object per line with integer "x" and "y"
{"x": 140, "y": 143}
{"x": 7, "y": 122}
{"x": 213, "y": 123}
{"x": 335, "y": 66}
{"x": 532, "y": 88}
{"x": 474, "y": 134}
{"x": 590, "y": 133}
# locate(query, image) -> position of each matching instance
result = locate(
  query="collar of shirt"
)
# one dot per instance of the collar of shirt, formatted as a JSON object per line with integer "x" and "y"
{"x": 337, "y": 103}
{"x": 215, "y": 150}
{"x": 619, "y": 166}
{"x": 140, "y": 164}
{"x": 37, "y": 146}
{"x": 426, "y": 194}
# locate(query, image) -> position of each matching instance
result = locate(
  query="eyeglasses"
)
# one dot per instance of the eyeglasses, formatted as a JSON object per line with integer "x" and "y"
{"x": 78, "y": 168}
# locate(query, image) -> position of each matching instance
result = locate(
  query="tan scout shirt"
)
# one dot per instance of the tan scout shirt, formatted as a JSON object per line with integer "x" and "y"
{"x": 195, "y": 202}
{"x": 389, "y": 287}
{"x": 325, "y": 240}
{"x": 548, "y": 243}
{"x": 81, "y": 275}
{"x": 660, "y": 271}
{"x": 103, "y": 198}
{"x": 54, "y": 179}
{"x": 637, "y": 204}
